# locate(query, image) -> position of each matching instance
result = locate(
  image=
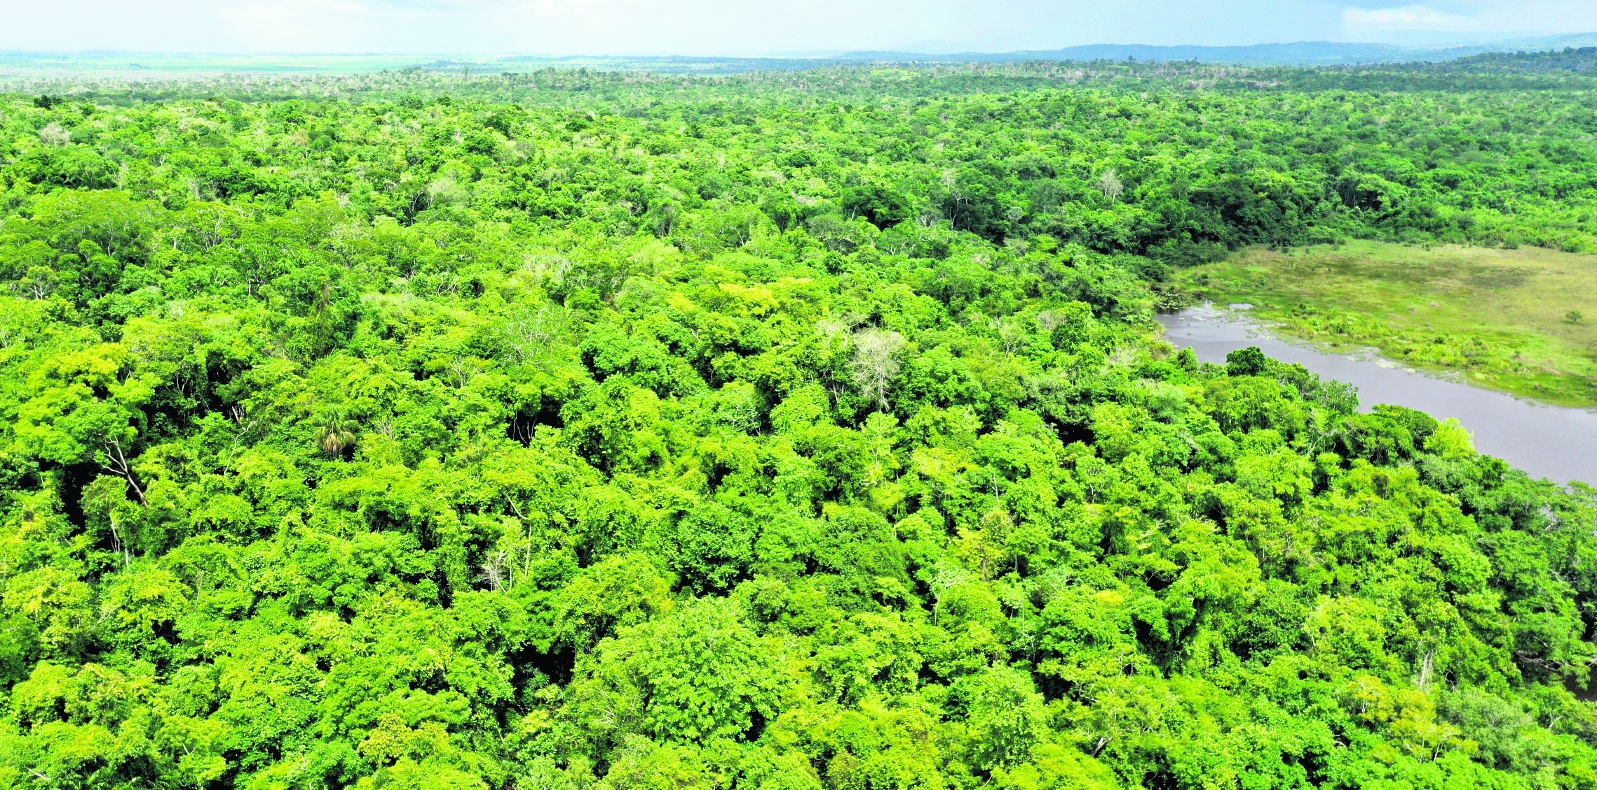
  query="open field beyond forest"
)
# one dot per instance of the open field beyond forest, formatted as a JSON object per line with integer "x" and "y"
{"x": 1500, "y": 316}
{"x": 94, "y": 66}
{"x": 138, "y": 65}
{"x": 195, "y": 64}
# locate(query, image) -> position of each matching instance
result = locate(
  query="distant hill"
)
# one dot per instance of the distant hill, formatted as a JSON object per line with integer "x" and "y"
{"x": 1303, "y": 53}
{"x": 1568, "y": 59}
{"x": 1556, "y": 57}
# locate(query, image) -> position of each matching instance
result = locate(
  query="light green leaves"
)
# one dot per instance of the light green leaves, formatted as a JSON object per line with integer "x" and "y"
{"x": 696, "y": 675}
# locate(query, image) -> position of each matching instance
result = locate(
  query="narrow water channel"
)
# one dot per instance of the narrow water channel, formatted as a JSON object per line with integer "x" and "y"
{"x": 1546, "y": 441}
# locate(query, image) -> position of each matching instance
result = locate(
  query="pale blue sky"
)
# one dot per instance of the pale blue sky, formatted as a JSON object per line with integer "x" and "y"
{"x": 740, "y": 28}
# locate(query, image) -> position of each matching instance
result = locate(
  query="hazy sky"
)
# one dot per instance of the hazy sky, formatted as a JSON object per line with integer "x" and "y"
{"x": 728, "y": 27}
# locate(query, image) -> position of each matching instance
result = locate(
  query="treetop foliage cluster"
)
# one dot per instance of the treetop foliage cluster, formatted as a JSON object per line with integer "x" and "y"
{"x": 738, "y": 435}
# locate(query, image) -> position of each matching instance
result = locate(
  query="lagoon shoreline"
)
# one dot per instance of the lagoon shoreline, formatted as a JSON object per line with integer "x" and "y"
{"x": 1546, "y": 441}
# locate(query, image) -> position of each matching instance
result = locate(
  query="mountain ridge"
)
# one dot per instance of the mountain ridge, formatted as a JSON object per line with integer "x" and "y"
{"x": 1300, "y": 53}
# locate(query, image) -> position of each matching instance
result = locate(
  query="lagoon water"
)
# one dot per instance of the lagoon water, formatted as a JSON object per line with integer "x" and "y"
{"x": 1545, "y": 441}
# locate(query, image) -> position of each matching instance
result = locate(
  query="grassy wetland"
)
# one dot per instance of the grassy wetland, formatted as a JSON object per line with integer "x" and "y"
{"x": 1518, "y": 320}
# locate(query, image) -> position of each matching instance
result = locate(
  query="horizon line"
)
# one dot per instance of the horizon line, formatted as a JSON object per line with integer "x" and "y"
{"x": 819, "y": 54}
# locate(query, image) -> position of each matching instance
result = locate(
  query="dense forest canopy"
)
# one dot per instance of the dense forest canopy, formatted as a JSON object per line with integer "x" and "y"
{"x": 1582, "y": 59}
{"x": 623, "y": 85}
{"x": 801, "y": 430}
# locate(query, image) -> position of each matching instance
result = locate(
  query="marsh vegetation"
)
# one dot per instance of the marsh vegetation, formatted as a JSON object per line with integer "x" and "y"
{"x": 1509, "y": 319}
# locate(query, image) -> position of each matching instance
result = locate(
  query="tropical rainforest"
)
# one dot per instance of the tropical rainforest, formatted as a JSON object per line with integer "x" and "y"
{"x": 785, "y": 430}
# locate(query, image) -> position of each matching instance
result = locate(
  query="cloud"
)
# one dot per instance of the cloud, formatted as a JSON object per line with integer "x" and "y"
{"x": 1445, "y": 6}
{"x": 311, "y": 24}
{"x": 1484, "y": 19}
{"x": 742, "y": 27}
{"x": 1408, "y": 17}
{"x": 648, "y": 26}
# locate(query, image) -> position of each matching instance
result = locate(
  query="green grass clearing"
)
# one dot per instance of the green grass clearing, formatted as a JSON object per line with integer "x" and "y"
{"x": 1501, "y": 317}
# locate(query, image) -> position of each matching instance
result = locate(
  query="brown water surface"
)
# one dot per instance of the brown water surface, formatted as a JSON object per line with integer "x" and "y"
{"x": 1546, "y": 441}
